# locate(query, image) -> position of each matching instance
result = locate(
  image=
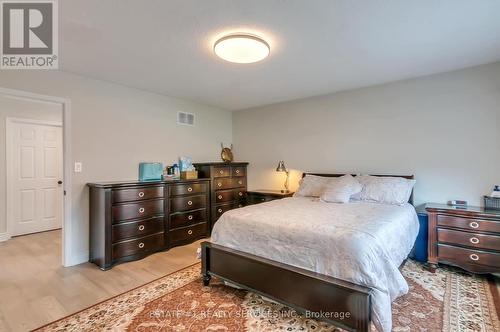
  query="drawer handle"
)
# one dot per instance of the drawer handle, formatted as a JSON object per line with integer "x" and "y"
{"x": 219, "y": 197}
{"x": 262, "y": 199}
{"x": 141, "y": 227}
{"x": 474, "y": 257}
{"x": 190, "y": 232}
{"x": 221, "y": 171}
{"x": 237, "y": 171}
{"x": 141, "y": 194}
{"x": 240, "y": 193}
{"x": 190, "y": 189}
{"x": 141, "y": 245}
{"x": 240, "y": 182}
{"x": 219, "y": 210}
{"x": 190, "y": 217}
{"x": 474, "y": 224}
{"x": 240, "y": 205}
{"x": 474, "y": 240}
{"x": 190, "y": 203}
{"x": 141, "y": 210}
{"x": 219, "y": 184}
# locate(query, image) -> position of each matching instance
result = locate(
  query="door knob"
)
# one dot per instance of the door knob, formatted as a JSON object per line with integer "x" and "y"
{"x": 59, "y": 182}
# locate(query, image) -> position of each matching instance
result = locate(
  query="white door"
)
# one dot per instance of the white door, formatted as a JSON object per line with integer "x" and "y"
{"x": 36, "y": 173}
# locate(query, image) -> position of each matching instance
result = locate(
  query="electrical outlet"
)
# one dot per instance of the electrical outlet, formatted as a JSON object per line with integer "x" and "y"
{"x": 78, "y": 167}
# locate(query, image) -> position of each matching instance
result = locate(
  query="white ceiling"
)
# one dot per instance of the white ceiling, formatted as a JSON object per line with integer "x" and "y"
{"x": 317, "y": 47}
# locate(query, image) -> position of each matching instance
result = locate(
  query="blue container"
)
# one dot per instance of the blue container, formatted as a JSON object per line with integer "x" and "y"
{"x": 421, "y": 242}
{"x": 150, "y": 171}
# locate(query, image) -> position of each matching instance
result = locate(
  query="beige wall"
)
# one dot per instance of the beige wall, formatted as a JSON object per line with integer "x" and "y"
{"x": 19, "y": 108}
{"x": 115, "y": 127}
{"x": 444, "y": 128}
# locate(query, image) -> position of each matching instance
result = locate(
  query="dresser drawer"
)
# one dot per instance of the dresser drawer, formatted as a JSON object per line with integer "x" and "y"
{"x": 230, "y": 195}
{"x": 239, "y": 182}
{"x": 220, "y": 209}
{"x": 238, "y": 171}
{"x": 221, "y": 171}
{"x": 223, "y": 183}
{"x": 188, "y": 189}
{"x": 179, "y": 204}
{"x": 137, "y": 210}
{"x": 464, "y": 257}
{"x": 190, "y": 233}
{"x": 188, "y": 218}
{"x": 135, "y": 229}
{"x": 137, "y": 194}
{"x": 142, "y": 245}
{"x": 469, "y": 224}
{"x": 469, "y": 239}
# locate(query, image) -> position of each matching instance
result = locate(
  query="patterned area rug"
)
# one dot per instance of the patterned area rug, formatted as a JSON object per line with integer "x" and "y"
{"x": 447, "y": 300}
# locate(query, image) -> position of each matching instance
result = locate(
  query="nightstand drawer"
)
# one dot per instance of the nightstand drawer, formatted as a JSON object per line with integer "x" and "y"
{"x": 475, "y": 240}
{"x": 469, "y": 223}
{"x": 464, "y": 257}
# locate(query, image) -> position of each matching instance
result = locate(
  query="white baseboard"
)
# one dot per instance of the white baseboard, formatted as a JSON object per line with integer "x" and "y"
{"x": 4, "y": 237}
{"x": 77, "y": 259}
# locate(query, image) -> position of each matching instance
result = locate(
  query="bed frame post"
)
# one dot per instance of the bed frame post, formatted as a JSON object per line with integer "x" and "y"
{"x": 315, "y": 295}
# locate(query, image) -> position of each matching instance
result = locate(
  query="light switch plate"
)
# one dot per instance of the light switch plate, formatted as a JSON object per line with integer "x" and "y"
{"x": 78, "y": 167}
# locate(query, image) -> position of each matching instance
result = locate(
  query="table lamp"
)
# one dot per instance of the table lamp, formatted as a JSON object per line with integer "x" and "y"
{"x": 281, "y": 168}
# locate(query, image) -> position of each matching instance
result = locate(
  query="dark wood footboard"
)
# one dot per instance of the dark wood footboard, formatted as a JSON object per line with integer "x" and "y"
{"x": 317, "y": 296}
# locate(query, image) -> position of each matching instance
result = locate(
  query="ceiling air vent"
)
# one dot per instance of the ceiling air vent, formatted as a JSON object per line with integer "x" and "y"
{"x": 185, "y": 118}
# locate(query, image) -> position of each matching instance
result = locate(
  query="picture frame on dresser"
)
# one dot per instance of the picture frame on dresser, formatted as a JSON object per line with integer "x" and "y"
{"x": 466, "y": 237}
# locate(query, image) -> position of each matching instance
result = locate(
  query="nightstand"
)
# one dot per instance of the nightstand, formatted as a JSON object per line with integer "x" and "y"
{"x": 260, "y": 196}
{"x": 467, "y": 237}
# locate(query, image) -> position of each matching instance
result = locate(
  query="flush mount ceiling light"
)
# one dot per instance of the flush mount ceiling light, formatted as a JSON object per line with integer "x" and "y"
{"x": 241, "y": 48}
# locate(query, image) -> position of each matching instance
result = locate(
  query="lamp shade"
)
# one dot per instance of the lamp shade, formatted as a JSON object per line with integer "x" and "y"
{"x": 281, "y": 167}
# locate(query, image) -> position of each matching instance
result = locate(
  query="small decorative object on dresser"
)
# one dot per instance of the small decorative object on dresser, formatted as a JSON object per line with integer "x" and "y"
{"x": 130, "y": 220}
{"x": 467, "y": 237}
{"x": 260, "y": 196}
{"x": 228, "y": 186}
{"x": 226, "y": 154}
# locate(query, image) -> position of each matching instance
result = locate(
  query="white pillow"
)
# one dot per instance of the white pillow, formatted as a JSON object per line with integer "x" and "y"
{"x": 384, "y": 189}
{"x": 340, "y": 190}
{"x": 312, "y": 185}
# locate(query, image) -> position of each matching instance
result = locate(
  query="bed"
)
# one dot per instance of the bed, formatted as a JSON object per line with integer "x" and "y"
{"x": 334, "y": 262}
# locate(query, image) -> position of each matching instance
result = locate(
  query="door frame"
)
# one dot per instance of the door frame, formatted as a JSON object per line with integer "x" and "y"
{"x": 9, "y": 155}
{"x": 68, "y": 255}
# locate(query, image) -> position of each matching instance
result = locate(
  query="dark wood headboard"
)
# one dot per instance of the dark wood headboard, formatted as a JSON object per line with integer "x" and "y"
{"x": 409, "y": 177}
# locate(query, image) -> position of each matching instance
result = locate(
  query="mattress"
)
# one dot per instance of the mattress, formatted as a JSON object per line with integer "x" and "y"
{"x": 361, "y": 242}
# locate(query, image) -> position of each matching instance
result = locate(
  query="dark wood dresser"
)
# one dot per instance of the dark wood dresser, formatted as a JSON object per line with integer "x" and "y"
{"x": 130, "y": 220}
{"x": 465, "y": 237}
{"x": 228, "y": 186}
{"x": 261, "y": 196}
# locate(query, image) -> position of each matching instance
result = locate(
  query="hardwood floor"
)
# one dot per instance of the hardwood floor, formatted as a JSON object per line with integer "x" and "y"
{"x": 35, "y": 289}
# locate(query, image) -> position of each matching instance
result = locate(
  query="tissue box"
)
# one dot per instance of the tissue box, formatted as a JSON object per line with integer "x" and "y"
{"x": 150, "y": 171}
{"x": 189, "y": 175}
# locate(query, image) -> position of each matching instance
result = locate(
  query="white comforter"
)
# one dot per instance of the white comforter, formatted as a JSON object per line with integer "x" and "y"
{"x": 360, "y": 242}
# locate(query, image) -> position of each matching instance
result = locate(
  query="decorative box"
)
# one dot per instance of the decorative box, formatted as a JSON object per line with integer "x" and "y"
{"x": 189, "y": 175}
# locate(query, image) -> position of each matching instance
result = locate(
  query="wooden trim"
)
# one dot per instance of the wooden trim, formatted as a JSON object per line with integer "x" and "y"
{"x": 68, "y": 257}
{"x": 333, "y": 300}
